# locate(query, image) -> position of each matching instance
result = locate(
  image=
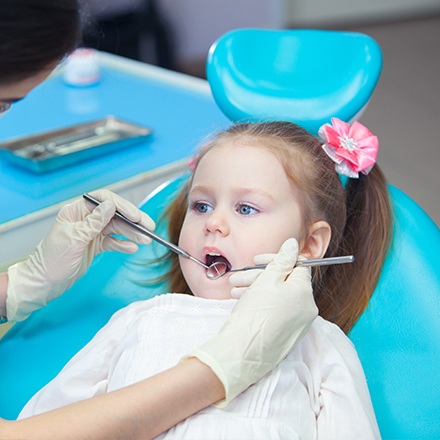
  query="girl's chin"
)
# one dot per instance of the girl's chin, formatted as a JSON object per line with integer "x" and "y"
{"x": 214, "y": 293}
{"x": 215, "y": 297}
{"x": 203, "y": 287}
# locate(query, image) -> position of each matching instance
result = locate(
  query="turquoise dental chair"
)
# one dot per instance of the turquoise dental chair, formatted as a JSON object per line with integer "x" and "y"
{"x": 307, "y": 77}
{"x": 397, "y": 337}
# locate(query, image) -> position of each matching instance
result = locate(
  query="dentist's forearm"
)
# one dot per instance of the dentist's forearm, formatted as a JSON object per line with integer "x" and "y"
{"x": 140, "y": 411}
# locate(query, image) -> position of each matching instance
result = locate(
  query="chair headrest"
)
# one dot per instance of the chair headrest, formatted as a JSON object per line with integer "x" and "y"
{"x": 304, "y": 76}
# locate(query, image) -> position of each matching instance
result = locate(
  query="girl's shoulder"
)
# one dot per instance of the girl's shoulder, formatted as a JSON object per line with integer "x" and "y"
{"x": 328, "y": 351}
{"x": 327, "y": 340}
{"x": 327, "y": 329}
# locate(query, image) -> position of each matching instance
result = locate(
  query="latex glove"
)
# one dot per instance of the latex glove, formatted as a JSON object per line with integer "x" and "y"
{"x": 242, "y": 280}
{"x": 80, "y": 232}
{"x": 269, "y": 320}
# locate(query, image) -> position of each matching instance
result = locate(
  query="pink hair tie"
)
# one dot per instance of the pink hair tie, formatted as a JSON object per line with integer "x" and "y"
{"x": 353, "y": 148}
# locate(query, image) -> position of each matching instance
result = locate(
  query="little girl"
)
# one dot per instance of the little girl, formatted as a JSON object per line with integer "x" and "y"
{"x": 252, "y": 188}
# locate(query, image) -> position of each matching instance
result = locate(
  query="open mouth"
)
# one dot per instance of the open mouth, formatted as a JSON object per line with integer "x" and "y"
{"x": 218, "y": 260}
{"x": 218, "y": 265}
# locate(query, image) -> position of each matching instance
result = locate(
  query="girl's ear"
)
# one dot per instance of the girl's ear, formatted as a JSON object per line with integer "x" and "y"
{"x": 318, "y": 240}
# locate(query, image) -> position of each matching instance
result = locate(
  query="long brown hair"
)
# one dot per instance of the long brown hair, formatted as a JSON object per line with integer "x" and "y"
{"x": 359, "y": 216}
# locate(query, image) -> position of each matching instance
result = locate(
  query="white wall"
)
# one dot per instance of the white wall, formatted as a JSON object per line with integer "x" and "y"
{"x": 318, "y": 12}
{"x": 198, "y": 23}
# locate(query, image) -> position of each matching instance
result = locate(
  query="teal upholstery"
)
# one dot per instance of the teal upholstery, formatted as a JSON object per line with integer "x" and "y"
{"x": 302, "y": 75}
{"x": 397, "y": 337}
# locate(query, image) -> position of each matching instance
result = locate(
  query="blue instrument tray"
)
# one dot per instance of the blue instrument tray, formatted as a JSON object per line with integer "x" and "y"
{"x": 55, "y": 149}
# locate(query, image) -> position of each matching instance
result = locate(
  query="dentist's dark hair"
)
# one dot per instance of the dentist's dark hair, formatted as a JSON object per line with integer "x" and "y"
{"x": 35, "y": 35}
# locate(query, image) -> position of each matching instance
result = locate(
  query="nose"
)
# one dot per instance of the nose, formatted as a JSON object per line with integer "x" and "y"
{"x": 218, "y": 223}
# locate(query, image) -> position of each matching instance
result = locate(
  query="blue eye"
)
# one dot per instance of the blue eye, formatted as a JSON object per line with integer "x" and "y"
{"x": 200, "y": 207}
{"x": 246, "y": 210}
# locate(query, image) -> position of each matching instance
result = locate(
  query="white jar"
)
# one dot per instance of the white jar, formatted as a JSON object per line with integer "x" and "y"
{"x": 82, "y": 68}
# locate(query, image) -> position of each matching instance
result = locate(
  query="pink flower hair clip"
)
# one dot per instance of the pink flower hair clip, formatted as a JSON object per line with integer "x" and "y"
{"x": 353, "y": 148}
{"x": 193, "y": 162}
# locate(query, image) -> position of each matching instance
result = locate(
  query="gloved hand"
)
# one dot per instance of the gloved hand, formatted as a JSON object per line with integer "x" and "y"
{"x": 269, "y": 320}
{"x": 242, "y": 280}
{"x": 80, "y": 232}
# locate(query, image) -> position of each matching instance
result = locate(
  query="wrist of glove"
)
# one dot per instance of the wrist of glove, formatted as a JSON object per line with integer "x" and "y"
{"x": 80, "y": 232}
{"x": 269, "y": 320}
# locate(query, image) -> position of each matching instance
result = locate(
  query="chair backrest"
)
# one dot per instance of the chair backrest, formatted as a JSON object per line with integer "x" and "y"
{"x": 304, "y": 76}
{"x": 398, "y": 335}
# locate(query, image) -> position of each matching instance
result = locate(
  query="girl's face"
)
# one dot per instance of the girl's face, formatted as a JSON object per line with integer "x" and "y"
{"x": 240, "y": 205}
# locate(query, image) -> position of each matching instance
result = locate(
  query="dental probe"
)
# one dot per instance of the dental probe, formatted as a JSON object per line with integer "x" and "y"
{"x": 148, "y": 233}
{"x": 318, "y": 262}
{"x": 218, "y": 269}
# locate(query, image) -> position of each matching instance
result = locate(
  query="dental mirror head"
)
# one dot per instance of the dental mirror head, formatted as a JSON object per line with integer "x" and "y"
{"x": 216, "y": 270}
